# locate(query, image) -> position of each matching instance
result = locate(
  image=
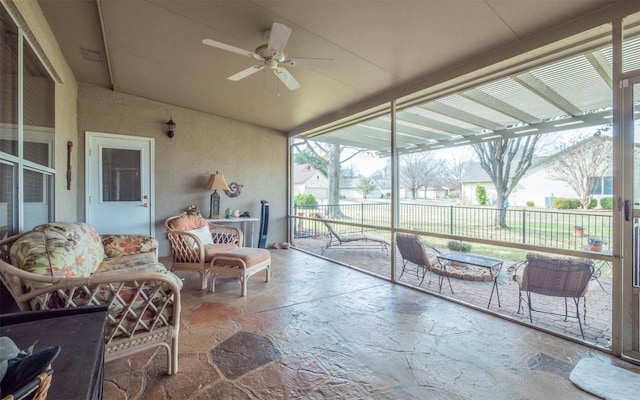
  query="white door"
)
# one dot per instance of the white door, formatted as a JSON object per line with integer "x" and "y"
{"x": 630, "y": 316}
{"x": 119, "y": 183}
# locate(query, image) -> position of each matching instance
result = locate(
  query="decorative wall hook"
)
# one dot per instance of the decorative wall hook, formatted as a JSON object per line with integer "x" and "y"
{"x": 69, "y": 148}
{"x": 234, "y": 189}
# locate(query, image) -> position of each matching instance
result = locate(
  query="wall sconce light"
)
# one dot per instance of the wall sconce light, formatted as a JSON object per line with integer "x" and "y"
{"x": 171, "y": 128}
{"x": 216, "y": 181}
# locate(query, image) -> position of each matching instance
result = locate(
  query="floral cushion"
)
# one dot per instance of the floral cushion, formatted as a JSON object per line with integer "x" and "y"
{"x": 58, "y": 251}
{"x": 121, "y": 245}
{"x": 78, "y": 234}
{"x": 126, "y": 262}
{"x": 75, "y": 250}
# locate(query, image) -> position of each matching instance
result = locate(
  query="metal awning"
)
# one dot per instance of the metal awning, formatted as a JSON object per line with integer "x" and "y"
{"x": 569, "y": 94}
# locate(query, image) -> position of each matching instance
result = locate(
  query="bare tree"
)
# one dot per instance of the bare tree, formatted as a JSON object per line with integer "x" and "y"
{"x": 384, "y": 172}
{"x": 506, "y": 161}
{"x": 419, "y": 169}
{"x": 583, "y": 165}
{"x": 328, "y": 159}
{"x": 454, "y": 171}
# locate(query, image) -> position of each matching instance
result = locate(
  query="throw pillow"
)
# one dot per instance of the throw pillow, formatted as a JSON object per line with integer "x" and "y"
{"x": 203, "y": 233}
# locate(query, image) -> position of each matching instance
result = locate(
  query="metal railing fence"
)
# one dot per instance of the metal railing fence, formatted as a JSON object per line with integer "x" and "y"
{"x": 550, "y": 228}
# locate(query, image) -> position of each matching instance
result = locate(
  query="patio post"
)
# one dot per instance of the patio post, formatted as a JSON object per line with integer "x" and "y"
{"x": 451, "y": 209}
{"x": 524, "y": 222}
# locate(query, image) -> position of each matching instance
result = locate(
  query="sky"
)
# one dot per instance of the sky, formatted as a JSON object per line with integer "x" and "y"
{"x": 367, "y": 164}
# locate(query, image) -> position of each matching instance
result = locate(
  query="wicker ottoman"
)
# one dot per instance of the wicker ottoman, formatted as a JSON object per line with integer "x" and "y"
{"x": 240, "y": 263}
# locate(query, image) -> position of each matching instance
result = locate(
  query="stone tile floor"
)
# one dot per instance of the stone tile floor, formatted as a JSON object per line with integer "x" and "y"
{"x": 598, "y": 307}
{"x": 319, "y": 330}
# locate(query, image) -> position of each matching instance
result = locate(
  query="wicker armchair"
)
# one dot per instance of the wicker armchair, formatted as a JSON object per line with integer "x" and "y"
{"x": 195, "y": 242}
{"x": 66, "y": 265}
{"x": 554, "y": 276}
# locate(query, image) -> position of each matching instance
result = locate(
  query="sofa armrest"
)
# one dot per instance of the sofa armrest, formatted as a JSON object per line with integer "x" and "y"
{"x": 141, "y": 299}
{"x": 120, "y": 245}
{"x": 225, "y": 234}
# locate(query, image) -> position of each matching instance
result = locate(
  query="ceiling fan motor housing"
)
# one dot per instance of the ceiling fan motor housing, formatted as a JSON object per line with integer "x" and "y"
{"x": 271, "y": 63}
{"x": 264, "y": 52}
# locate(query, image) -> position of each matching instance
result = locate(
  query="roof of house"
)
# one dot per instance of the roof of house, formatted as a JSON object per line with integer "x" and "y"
{"x": 303, "y": 172}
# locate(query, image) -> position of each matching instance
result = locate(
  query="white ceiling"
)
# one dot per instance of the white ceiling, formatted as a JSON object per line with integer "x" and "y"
{"x": 154, "y": 48}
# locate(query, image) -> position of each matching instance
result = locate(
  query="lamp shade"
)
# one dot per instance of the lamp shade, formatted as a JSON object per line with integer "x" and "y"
{"x": 217, "y": 182}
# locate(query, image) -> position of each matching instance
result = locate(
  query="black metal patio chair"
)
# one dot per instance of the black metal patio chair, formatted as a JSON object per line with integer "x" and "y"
{"x": 566, "y": 277}
{"x": 415, "y": 251}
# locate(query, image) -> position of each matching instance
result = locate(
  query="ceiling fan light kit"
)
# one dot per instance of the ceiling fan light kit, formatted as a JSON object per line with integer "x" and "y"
{"x": 273, "y": 57}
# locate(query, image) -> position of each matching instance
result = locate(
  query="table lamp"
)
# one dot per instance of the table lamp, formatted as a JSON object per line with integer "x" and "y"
{"x": 216, "y": 181}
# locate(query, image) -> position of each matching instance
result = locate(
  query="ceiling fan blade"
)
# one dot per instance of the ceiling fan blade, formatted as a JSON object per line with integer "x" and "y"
{"x": 278, "y": 38}
{"x": 246, "y": 72}
{"x": 285, "y": 76}
{"x": 312, "y": 63}
{"x": 224, "y": 46}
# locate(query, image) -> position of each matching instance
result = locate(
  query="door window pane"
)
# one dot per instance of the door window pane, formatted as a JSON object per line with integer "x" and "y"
{"x": 8, "y": 225}
{"x": 607, "y": 185}
{"x": 39, "y": 110}
{"x": 121, "y": 175}
{"x": 8, "y": 84}
{"x": 37, "y": 198}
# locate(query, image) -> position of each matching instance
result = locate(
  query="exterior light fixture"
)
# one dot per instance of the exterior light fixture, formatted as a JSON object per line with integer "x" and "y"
{"x": 171, "y": 128}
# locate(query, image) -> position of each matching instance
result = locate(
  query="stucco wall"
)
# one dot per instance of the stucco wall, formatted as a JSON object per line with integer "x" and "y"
{"x": 253, "y": 156}
{"x": 30, "y": 18}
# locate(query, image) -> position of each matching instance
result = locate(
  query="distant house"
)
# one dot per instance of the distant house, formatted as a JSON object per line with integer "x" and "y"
{"x": 349, "y": 189}
{"x": 308, "y": 180}
{"x": 385, "y": 187}
{"x": 536, "y": 186}
{"x": 433, "y": 192}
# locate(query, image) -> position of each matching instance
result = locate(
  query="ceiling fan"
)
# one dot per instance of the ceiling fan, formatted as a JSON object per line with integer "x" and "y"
{"x": 273, "y": 56}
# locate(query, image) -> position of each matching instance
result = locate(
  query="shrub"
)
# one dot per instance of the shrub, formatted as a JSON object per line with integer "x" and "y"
{"x": 562, "y": 203}
{"x": 305, "y": 200}
{"x": 593, "y": 203}
{"x": 606, "y": 203}
{"x": 530, "y": 204}
{"x": 455, "y": 245}
{"x": 481, "y": 195}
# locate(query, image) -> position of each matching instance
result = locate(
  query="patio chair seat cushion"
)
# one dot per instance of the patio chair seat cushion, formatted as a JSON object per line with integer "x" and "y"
{"x": 212, "y": 250}
{"x": 243, "y": 256}
{"x": 358, "y": 237}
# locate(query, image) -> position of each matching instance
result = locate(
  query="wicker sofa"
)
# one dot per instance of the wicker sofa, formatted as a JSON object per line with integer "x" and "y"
{"x": 63, "y": 264}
